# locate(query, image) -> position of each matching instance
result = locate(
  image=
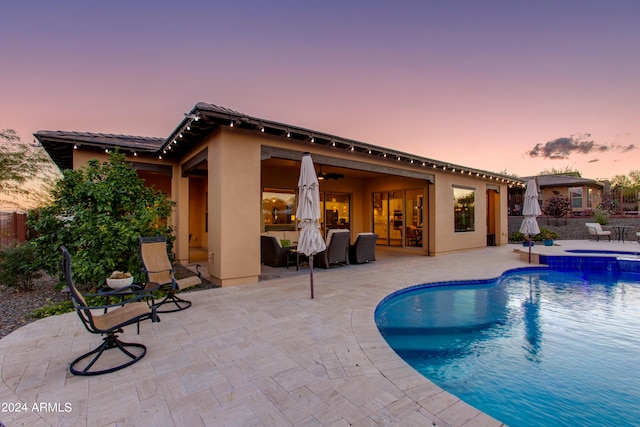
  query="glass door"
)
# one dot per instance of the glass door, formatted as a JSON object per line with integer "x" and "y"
{"x": 381, "y": 217}
{"x": 398, "y": 217}
{"x": 414, "y": 218}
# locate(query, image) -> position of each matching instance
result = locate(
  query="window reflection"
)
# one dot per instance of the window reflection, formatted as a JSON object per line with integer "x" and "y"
{"x": 464, "y": 209}
{"x": 279, "y": 209}
{"x": 335, "y": 211}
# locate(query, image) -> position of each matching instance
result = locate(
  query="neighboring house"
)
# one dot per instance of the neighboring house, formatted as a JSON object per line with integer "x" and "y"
{"x": 584, "y": 194}
{"x": 234, "y": 176}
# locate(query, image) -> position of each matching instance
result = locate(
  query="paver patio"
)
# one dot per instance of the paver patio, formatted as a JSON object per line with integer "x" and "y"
{"x": 256, "y": 355}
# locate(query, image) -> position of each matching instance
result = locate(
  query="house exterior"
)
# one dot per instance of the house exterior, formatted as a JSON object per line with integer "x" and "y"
{"x": 584, "y": 194}
{"x": 234, "y": 176}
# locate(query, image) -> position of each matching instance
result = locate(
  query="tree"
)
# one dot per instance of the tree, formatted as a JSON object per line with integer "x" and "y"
{"x": 21, "y": 163}
{"x": 632, "y": 180}
{"x": 98, "y": 213}
{"x": 568, "y": 171}
{"x": 557, "y": 206}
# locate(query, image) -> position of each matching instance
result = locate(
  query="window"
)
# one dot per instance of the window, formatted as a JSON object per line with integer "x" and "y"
{"x": 464, "y": 209}
{"x": 279, "y": 209}
{"x": 575, "y": 193}
{"x": 335, "y": 210}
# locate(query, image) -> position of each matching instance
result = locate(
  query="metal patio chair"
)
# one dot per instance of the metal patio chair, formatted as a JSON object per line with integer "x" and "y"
{"x": 159, "y": 271}
{"x": 110, "y": 323}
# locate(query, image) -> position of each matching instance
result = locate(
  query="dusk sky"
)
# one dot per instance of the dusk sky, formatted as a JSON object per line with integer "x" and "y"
{"x": 516, "y": 86}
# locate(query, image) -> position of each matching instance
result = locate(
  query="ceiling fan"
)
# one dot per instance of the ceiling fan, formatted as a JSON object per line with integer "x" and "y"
{"x": 330, "y": 175}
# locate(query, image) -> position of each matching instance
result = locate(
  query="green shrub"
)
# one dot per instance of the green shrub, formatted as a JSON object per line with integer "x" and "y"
{"x": 53, "y": 309}
{"x": 601, "y": 217}
{"x": 98, "y": 212}
{"x": 517, "y": 236}
{"x": 19, "y": 267}
{"x": 545, "y": 234}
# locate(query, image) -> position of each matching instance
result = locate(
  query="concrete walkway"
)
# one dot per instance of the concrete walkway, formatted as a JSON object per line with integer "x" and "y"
{"x": 256, "y": 355}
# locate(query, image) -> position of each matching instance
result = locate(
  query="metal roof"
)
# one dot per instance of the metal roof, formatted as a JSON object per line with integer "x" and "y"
{"x": 205, "y": 118}
{"x": 565, "y": 181}
{"x": 60, "y": 144}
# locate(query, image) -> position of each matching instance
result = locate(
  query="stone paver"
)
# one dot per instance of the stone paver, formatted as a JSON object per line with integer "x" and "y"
{"x": 262, "y": 354}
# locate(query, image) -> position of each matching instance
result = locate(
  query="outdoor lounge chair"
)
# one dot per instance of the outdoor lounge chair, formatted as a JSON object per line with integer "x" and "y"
{"x": 159, "y": 271}
{"x": 337, "y": 249}
{"x": 595, "y": 230}
{"x": 271, "y": 252}
{"x": 363, "y": 249}
{"x": 111, "y": 322}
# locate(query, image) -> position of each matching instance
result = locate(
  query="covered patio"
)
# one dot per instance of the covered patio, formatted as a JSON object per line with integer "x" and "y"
{"x": 257, "y": 355}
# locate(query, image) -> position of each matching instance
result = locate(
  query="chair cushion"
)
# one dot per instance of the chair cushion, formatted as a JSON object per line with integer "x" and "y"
{"x": 292, "y": 235}
{"x": 332, "y": 231}
{"x": 120, "y": 315}
{"x": 188, "y": 282}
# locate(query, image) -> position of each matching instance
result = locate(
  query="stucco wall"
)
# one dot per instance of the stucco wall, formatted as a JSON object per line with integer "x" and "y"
{"x": 234, "y": 207}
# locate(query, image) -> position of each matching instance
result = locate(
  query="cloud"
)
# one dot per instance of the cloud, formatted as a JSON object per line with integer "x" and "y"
{"x": 563, "y": 148}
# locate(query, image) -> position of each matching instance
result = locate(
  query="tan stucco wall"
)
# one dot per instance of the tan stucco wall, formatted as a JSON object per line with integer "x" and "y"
{"x": 234, "y": 208}
{"x": 197, "y": 211}
{"x": 236, "y": 178}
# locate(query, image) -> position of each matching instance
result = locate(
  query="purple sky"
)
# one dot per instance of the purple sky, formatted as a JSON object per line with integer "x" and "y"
{"x": 485, "y": 84}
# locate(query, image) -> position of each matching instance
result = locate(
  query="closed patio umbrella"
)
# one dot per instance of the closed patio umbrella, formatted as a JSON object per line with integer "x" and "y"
{"x": 530, "y": 210}
{"x": 310, "y": 241}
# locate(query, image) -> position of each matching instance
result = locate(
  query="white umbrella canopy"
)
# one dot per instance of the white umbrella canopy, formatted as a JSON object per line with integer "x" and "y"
{"x": 530, "y": 210}
{"x": 310, "y": 241}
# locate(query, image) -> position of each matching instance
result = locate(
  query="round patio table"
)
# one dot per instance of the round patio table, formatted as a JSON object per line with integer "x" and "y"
{"x": 621, "y": 232}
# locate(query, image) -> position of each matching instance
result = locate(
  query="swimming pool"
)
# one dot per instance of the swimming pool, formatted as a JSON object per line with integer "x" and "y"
{"x": 535, "y": 347}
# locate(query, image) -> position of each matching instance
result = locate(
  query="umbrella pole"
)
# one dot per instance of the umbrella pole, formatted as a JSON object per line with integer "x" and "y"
{"x": 311, "y": 273}
{"x": 529, "y": 248}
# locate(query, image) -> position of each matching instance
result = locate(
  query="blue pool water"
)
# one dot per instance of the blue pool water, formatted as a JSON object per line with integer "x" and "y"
{"x": 537, "y": 347}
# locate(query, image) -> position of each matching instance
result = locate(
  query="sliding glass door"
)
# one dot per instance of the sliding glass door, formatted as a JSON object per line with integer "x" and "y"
{"x": 398, "y": 217}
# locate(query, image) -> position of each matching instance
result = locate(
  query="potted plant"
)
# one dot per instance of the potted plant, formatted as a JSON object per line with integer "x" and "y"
{"x": 517, "y": 236}
{"x": 118, "y": 280}
{"x": 546, "y": 236}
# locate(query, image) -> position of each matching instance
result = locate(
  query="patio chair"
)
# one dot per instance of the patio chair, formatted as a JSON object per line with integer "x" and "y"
{"x": 363, "y": 249}
{"x": 414, "y": 237}
{"x": 337, "y": 251}
{"x": 111, "y": 322}
{"x": 271, "y": 252}
{"x": 595, "y": 230}
{"x": 159, "y": 271}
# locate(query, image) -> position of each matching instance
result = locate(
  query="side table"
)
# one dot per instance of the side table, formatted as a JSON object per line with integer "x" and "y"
{"x": 295, "y": 257}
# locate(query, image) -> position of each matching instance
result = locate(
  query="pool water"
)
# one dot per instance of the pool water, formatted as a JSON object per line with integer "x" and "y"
{"x": 533, "y": 348}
